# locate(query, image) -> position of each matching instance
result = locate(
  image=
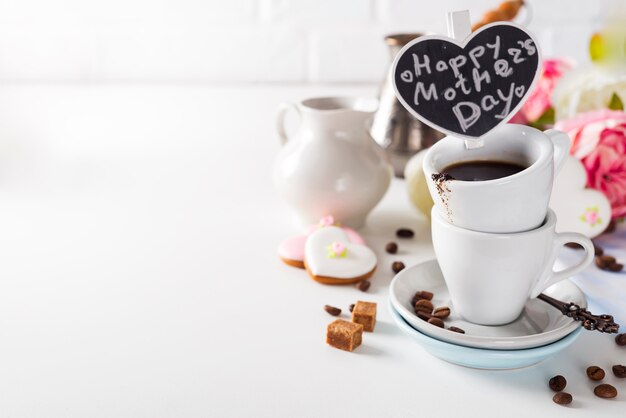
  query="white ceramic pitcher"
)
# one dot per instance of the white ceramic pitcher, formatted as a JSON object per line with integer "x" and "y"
{"x": 331, "y": 166}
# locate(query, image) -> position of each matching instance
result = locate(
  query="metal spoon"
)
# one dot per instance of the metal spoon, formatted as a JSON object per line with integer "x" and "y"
{"x": 591, "y": 322}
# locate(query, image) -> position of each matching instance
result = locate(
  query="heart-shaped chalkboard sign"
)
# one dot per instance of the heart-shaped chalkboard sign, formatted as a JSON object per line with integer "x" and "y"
{"x": 467, "y": 89}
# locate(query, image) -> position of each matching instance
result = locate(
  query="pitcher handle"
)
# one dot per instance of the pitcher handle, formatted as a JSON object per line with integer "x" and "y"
{"x": 556, "y": 276}
{"x": 280, "y": 120}
{"x": 561, "y": 143}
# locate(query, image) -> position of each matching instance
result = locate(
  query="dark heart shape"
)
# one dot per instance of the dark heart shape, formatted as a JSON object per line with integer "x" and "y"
{"x": 467, "y": 90}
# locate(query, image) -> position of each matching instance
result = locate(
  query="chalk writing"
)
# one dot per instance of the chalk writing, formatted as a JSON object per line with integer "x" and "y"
{"x": 467, "y": 90}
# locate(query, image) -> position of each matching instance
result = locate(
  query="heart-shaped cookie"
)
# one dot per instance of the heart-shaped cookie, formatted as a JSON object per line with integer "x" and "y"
{"x": 330, "y": 257}
{"x": 467, "y": 89}
{"x": 291, "y": 250}
{"x": 578, "y": 209}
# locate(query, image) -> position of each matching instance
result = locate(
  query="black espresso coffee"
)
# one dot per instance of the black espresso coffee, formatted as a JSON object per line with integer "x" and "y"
{"x": 481, "y": 170}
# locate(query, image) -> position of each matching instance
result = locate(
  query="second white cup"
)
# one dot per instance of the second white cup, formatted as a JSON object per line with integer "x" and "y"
{"x": 491, "y": 276}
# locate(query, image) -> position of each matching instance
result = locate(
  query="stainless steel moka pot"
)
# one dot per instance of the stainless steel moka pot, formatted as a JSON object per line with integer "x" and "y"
{"x": 393, "y": 127}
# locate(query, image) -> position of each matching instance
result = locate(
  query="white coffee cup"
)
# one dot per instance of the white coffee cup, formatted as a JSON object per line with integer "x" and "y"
{"x": 491, "y": 276}
{"x": 509, "y": 204}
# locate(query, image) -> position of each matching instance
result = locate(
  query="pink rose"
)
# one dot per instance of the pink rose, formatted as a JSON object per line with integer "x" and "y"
{"x": 585, "y": 128}
{"x": 606, "y": 167}
{"x": 338, "y": 248}
{"x": 539, "y": 99}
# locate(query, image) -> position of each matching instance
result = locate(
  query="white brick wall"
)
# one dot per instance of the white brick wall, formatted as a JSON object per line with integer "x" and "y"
{"x": 283, "y": 41}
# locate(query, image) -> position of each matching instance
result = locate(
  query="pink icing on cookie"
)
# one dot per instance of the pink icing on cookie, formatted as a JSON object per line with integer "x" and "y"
{"x": 292, "y": 248}
{"x": 354, "y": 236}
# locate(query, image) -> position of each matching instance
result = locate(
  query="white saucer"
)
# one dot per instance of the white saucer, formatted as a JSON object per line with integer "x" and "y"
{"x": 539, "y": 324}
{"x": 483, "y": 358}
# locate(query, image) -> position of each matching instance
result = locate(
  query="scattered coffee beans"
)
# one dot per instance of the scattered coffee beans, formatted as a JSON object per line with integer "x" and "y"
{"x": 619, "y": 371}
{"x": 562, "y": 398}
{"x": 608, "y": 263}
{"x": 397, "y": 266}
{"x": 600, "y": 263}
{"x": 595, "y": 373}
{"x": 608, "y": 259}
{"x": 620, "y": 339}
{"x": 596, "y": 248}
{"x": 603, "y": 261}
{"x": 391, "y": 247}
{"x": 605, "y": 391}
{"x": 456, "y": 329}
{"x": 424, "y": 305}
{"x": 423, "y": 315}
{"x": 422, "y": 294}
{"x": 557, "y": 383}
{"x": 363, "y": 285}
{"x": 405, "y": 233}
{"x": 442, "y": 312}
{"x": 351, "y": 308}
{"x": 436, "y": 322}
{"x": 332, "y": 310}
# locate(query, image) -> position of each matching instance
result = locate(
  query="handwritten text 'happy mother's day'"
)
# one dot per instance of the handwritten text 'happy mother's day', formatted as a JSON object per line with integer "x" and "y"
{"x": 472, "y": 71}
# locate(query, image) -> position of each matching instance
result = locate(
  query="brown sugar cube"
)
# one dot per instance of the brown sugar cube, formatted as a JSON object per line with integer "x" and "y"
{"x": 364, "y": 313}
{"x": 344, "y": 335}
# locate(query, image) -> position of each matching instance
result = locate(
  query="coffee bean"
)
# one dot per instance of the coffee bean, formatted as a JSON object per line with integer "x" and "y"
{"x": 456, "y": 329}
{"x": 436, "y": 322}
{"x": 600, "y": 263}
{"x": 424, "y": 305}
{"x": 605, "y": 391}
{"x": 557, "y": 383}
{"x": 391, "y": 247}
{"x": 423, "y": 315}
{"x": 562, "y": 398}
{"x": 620, "y": 339}
{"x": 332, "y": 310}
{"x": 422, "y": 294}
{"x": 608, "y": 259}
{"x": 619, "y": 371}
{"x": 397, "y": 266}
{"x": 604, "y": 261}
{"x": 351, "y": 307}
{"x": 363, "y": 285}
{"x": 597, "y": 249}
{"x": 426, "y": 294}
{"x": 608, "y": 263}
{"x": 405, "y": 233}
{"x": 595, "y": 373}
{"x": 442, "y": 312}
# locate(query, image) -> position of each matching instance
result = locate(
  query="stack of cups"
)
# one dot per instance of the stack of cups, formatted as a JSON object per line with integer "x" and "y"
{"x": 495, "y": 239}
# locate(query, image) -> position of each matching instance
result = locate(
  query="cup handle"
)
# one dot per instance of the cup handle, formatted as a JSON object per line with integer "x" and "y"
{"x": 561, "y": 143}
{"x": 556, "y": 276}
{"x": 280, "y": 120}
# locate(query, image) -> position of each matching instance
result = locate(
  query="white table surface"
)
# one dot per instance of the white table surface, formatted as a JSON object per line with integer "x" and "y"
{"x": 139, "y": 276}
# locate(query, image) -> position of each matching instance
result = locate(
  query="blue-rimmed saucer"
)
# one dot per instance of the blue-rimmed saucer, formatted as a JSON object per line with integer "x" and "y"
{"x": 482, "y": 358}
